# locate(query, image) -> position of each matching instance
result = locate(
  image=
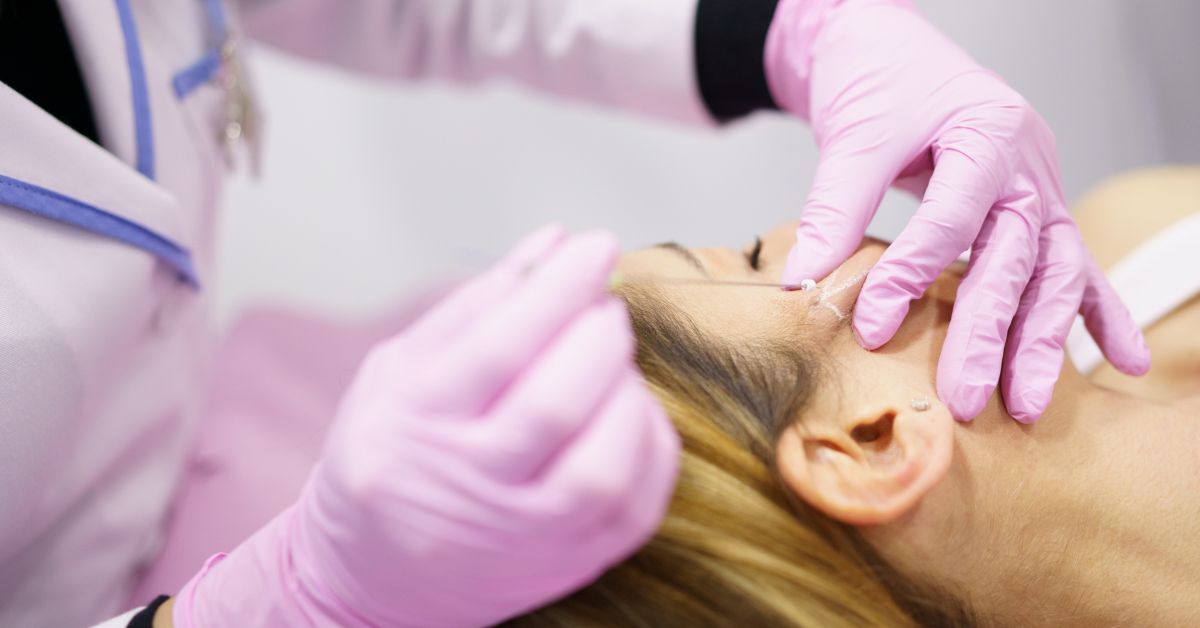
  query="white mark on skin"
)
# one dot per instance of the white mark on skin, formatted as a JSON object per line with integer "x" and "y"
{"x": 821, "y": 300}
{"x": 842, "y": 286}
{"x": 828, "y": 281}
{"x": 821, "y": 297}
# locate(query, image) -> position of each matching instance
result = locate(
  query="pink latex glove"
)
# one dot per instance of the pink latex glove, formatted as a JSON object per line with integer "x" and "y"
{"x": 500, "y": 453}
{"x": 892, "y": 100}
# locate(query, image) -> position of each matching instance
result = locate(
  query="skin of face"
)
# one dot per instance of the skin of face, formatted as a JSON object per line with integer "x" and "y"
{"x": 754, "y": 312}
{"x": 1089, "y": 517}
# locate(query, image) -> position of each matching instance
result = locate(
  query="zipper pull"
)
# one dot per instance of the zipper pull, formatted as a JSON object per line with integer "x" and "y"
{"x": 242, "y": 119}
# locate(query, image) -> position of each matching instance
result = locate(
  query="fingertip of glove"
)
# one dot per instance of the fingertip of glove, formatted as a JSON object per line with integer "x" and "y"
{"x": 1137, "y": 369}
{"x": 536, "y": 244}
{"x": 967, "y": 401}
{"x": 807, "y": 259}
{"x": 877, "y": 317}
{"x": 960, "y": 415}
{"x": 793, "y": 268}
{"x": 599, "y": 244}
{"x": 865, "y": 335}
{"x": 1138, "y": 362}
{"x": 1029, "y": 405}
{"x": 585, "y": 260}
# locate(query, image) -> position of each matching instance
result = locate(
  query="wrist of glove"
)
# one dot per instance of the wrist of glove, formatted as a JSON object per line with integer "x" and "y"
{"x": 269, "y": 580}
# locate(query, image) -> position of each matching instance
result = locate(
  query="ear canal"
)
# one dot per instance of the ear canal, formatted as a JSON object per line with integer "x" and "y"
{"x": 877, "y": 440}
{"x": 872, "y": 433}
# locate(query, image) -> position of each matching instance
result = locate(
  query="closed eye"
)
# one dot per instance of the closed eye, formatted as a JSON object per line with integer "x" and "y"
{"x": 752, "y": 256}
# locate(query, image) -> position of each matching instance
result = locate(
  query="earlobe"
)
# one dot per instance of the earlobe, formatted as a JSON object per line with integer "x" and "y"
{"x": 871, "y": 467}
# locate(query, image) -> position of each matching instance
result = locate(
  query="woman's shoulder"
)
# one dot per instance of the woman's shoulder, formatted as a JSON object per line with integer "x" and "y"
{"x": 1117, "y": 216}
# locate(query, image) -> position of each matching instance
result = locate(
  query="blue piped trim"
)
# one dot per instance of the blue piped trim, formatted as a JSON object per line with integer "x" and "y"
{"x": 51, "y": 204}
{"x": 141, "y": 97}
{"x": 196, "y": 74}
{"x": 216, "y": 13}
{"x": 200, "y": 72}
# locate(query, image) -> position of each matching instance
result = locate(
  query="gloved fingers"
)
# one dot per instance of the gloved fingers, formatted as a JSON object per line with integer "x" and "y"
{"x": 547, "y": 406}
{"x": 957, "y": 199}
{"x": 534, "y": 247}
{"x": 636, "y": 518}
{"x": 1035, "y": 351}
{"x": 843, "y": 199}
{"x": 595, "y": 502}
{"x": 614, "y": 480}
{"x": 479, "y": 294}
{"x": 1111, "y": 325}
{"x": 631, "y": 520}
{"x": 1002, "y": 260}
{"x": 472, "y": 369}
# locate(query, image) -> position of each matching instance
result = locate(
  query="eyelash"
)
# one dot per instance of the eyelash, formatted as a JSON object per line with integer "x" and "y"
{"x": 753, "y": 256}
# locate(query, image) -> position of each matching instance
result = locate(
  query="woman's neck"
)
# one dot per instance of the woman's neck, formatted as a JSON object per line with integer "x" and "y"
{"x": 1089, "y": 517}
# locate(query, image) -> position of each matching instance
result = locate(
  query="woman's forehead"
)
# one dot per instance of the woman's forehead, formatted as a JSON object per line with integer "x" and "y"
{"x": 731, "y": 312}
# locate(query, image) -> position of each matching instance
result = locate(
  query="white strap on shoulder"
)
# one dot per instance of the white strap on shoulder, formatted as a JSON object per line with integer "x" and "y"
{"x": 1155, "y": 278}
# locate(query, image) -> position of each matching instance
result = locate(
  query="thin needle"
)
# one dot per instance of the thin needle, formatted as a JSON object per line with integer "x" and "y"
{"x": 716, "y": 282}
{"x": 617, "y": 279}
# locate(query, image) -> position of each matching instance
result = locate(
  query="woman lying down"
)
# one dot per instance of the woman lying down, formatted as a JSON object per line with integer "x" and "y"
{"x": 825, "y": 485}
{"x": 820, "y": 485}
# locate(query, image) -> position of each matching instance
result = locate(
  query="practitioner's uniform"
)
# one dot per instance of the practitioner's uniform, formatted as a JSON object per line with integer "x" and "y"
{"x": 106, "y": 246}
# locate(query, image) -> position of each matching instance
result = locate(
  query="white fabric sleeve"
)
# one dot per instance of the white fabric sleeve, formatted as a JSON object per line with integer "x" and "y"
{"x": 633, "y": 54}
{"x": 120, "y": 621}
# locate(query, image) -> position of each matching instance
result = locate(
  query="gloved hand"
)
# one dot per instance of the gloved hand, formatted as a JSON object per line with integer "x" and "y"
{"x": 893, "y": 100}
{"x": 498, "y": 454}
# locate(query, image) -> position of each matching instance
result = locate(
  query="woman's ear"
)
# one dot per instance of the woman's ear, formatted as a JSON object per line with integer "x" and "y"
{"x": 870, "y": 466}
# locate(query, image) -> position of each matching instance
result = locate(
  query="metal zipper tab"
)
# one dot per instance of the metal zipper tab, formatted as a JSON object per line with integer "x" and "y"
{"x": 242, "y": 117}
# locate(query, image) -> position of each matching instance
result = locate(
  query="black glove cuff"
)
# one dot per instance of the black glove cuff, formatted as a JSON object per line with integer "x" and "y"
{"x": 730, "y": 38}
{"x": 145, "y": 619}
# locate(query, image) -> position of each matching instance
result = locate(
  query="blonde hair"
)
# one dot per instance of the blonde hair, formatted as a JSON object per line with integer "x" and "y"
{"x": 737, "y": 549}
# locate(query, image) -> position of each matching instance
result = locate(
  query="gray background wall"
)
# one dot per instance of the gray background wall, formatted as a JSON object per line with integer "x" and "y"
{"x": 369, "y": 189}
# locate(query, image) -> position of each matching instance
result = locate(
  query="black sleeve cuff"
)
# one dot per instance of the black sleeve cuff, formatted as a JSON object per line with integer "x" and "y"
{"x": 145, "y": 619}
{"x": 730, "y": 38}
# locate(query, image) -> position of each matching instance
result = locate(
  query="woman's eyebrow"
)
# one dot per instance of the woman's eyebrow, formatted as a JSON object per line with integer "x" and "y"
{"x": 687, "y": 255}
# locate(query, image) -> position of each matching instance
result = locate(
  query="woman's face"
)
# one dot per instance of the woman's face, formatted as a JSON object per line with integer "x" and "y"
{"x": 752, "y": 312}
{"x": 817, "y": 320}
{"x": 857, "y": 478}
